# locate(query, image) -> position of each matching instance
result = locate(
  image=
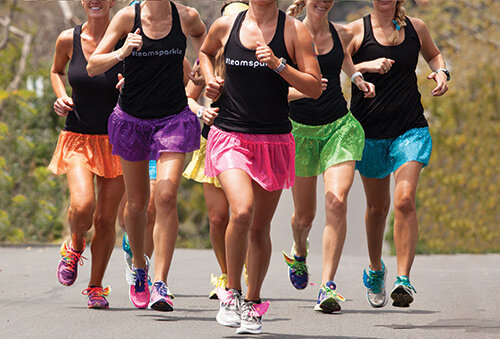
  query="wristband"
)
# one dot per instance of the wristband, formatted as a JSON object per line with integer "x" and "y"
{"x": 199, "y": 113}
{"x": 356, "y": 74}
{"x": 117, "y": 56}
{"x": 446, "y": 72}
{"x": 281, "y": 66}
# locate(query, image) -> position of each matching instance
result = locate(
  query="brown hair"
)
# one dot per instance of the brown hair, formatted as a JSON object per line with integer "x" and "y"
{"x": 296, "y": 8}
{"x": 400, "y": 18}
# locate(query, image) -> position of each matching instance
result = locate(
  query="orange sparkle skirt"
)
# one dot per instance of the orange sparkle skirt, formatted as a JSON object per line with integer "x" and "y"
{"x": 85, "y": 150}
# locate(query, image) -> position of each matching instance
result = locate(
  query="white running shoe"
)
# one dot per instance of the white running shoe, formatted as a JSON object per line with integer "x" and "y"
{"x": 229, "y": 311}
{"x": 251, "y": 317}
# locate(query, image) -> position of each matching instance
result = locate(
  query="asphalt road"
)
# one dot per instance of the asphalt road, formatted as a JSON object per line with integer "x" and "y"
{"x": 457, "y": 297}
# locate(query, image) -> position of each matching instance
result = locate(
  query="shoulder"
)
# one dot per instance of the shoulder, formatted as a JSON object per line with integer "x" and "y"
{"x": 345, "y": 33}
{"x": 356, "y": 27}
{"x": 223, "y": 23}
{"x": 187, "y": 13}
{"x": 296, "y": 28}
{"x": 65, "y": 39}
{"x": 126, "y": 13}
{"x": 419, "y": 25}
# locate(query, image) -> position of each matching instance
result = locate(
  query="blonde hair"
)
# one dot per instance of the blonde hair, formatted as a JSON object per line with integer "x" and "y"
{"x": 296, "y": 8}
{"x": 400, "y": 18}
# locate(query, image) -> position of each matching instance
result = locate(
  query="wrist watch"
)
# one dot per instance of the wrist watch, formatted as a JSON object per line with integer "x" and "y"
{"x": 445, "y": 71}
{"x": 199, "y": 113}
{"x": 281, "y": 66}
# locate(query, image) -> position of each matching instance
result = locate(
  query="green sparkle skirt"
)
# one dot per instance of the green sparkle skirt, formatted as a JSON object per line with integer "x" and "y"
{"x": 319, "y": 147}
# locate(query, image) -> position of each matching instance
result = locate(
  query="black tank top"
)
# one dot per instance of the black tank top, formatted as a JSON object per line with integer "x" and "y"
{"x": 254, "y": 97}
{"x": 331, "y": 105}
{"x": 154, "y": 85}
{"x": 94, "y": 98}
{"x": 397, "y": 106}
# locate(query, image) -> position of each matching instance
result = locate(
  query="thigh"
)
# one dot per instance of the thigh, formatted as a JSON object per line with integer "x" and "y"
{"x": 266, "y": 203}
{"x": 109, "y": 195}
{"x": 339, "y": 178}
{"x": 377, "y": 191}
{"x": 216, "y": 200}
{"x": 406, "y": 178}
{"x": 304, "y": 195}
{"x": 81, "y": 185}
{"x": 136, "y": 179}
{"x": 169, "y": 169}
{"x": 237, "y": 186}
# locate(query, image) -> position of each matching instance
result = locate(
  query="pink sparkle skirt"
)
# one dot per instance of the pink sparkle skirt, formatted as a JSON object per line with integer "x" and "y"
{"x": 269, "y": 159}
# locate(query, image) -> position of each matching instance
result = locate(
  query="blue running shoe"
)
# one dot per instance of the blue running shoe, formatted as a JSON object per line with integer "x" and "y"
{"x": 328, "y": 298}
{"x": 126, "y": 245}
{"x": 374, "y": 282}
{"x": 297, "y": 268}
{"x": 401, "y": 294}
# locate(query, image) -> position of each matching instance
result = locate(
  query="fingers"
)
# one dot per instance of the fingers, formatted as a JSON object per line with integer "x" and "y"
{"x": 370, "y": 90}
{"x": 121, "y": 82}
{"x": 214, "y": 88}
{"x": 209, "y": 115}
{"x": 440, "y": 89}
{"x": 137, "y": 31}
{"x": 385, "y": 65}
{"x": 324, "y": 83}
{"x": 62, "y": 106}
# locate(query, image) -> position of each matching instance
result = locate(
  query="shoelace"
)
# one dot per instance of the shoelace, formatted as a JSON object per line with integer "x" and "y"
{"x": 403, "y": 280}
{"x": 299, "y": 267}
{"x": 332, "y": 293}
{"x": 165, "y": 292}
{"x": 98, "y": 293}
{"x": 374, "y": 281}
{"x": 140, "y": 280}
{"x": 72, "y": 257}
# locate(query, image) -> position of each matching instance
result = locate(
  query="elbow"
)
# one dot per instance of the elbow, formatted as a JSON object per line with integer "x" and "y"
{"x": 90, "y": 71}
{"x": 316, "y": 91}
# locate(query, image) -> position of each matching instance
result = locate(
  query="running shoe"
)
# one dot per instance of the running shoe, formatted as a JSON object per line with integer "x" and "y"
{"x": 97, "y": 297}
{"x": 68, "y": 266}
{"x": 297, "y": 268}
{"x": 251, "y": 317}
{"x": 328, "y": 298}
{"x": 139, "y": 293}
{"x": 161, "y": 297}
{"x": 129, "y": 272}
{"x": 375, "y": 286}
{"x": 229, "y": 311}
{"x": 401, "y": 294}
{"x": 126, "y": 245}
{"x": 220, "y": 281}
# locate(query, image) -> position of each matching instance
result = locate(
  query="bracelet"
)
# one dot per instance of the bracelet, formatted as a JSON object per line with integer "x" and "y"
{"x": 117, "y": 56}
{"x": 356, "y": 74}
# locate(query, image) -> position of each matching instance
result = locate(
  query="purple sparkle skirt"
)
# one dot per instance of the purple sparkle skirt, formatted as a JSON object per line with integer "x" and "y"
{"x": 136, "y": 139}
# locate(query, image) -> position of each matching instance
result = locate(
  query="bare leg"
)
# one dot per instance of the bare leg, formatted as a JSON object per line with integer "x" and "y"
{"x": 82, "y": 206}
{"x": 109, "y": 195}
{"x": 405, "y": 222}
{"x": 238, "y": 188}
{"x": 136, "y": 177}
{"x": 304, "y": 201}
{"x": 148, "y": 237}
{"x": 378, "y": 200}
{"x": 218, "y": 215}
{"x": 338, "y": 182}
{"x": 259, "y": 247}
{"x": 168, "y": 177}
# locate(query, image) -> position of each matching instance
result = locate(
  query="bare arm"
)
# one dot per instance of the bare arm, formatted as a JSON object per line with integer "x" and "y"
{"x": 62, "y": 55}
{"x": 104, "y": 57}
{"x": 195, "y": 27}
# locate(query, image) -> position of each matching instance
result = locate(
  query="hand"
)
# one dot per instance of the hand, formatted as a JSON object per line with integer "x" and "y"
{"x": 324, "y": 83}
{"x": 133, "y": 41}
{"x": 380, "y": 65}
{"x": 366, "y": 87}
{"x": 214, "y": 88}
{"x": 63, "y": 105}
{"x": 265, "y": 54}
{"x": 196, "y": 76}
{"x": 121, "y": 82}
{"x": 209, "y": 115}
{"x": 442, "y": 83}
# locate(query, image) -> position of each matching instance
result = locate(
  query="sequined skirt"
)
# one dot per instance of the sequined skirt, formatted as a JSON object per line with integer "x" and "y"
{"x": 195, "y": 170}
{"x": 319, "y": 147}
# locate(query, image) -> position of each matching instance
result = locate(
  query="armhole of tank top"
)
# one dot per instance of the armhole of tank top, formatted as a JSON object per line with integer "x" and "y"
{"x": 367, "y": 28}
{"x": 235, "y": 31}
{"x": 137, "y": 18}
{"x": 411, "y": 29}
{"x": 336, "y": 38}
{"x": 77, "y": 42}
{"x": 176, "y": 19}
{"x": 280, "y": 32}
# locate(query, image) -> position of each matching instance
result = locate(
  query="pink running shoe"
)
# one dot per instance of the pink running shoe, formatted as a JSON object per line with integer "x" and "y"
{"x": 97, "y": 297}
{"x": 139, "y": 292}
{"x": 68, "y": 266}
{"x": 161, "y": 297}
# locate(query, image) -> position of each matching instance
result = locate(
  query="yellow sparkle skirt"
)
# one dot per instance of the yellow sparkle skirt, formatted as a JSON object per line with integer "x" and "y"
{"x": 196, "y": 168}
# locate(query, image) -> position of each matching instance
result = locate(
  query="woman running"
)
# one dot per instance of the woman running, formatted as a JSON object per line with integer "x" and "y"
{"x": 83, "y": 151}
{"x": 217, "y": 205}
{"x": 385, "y": 48}
{"x": 250, "y": 148}
{"x": 328, "y": 141}
{"x": 151, "y": 122}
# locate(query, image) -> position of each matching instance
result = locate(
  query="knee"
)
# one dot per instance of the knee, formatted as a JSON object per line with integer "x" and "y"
{"x": 378, "y": 209}
{"x": 242, "y": 216}
{"x": 82, "y": 208}
{"x": 303, "y": 220}
{"x": 218, "y": 221}
{"x": 137, "y": 206}
{"x": 405, "y": 204}
{"x": 258, "y": 236}
{"x": 104, "y": 223}
{"x": 336, "y": 204}
{"x": 165, "y": 199}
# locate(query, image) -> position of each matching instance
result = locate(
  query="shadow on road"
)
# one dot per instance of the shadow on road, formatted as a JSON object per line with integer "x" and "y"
{"x": 293, "y": 336}
{"x": 469, "y": 325}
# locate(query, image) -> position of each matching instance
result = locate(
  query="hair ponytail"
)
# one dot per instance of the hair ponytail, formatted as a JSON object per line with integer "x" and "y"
{"x": 399, "y": 20}
{"x": 296, "y": 8}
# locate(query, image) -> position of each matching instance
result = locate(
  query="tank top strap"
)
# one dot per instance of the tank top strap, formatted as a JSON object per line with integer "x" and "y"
{"x": 336, "y": 39}
{"x": 77, "y": 41}
{"x": 367, "y": 26}
{"x": 137, "y": 19}
{"x": 234, "y": 35}
{"x": 280, "y": 28}
{"x": 176, "y": 21}
{"x": 410, "y": 31}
